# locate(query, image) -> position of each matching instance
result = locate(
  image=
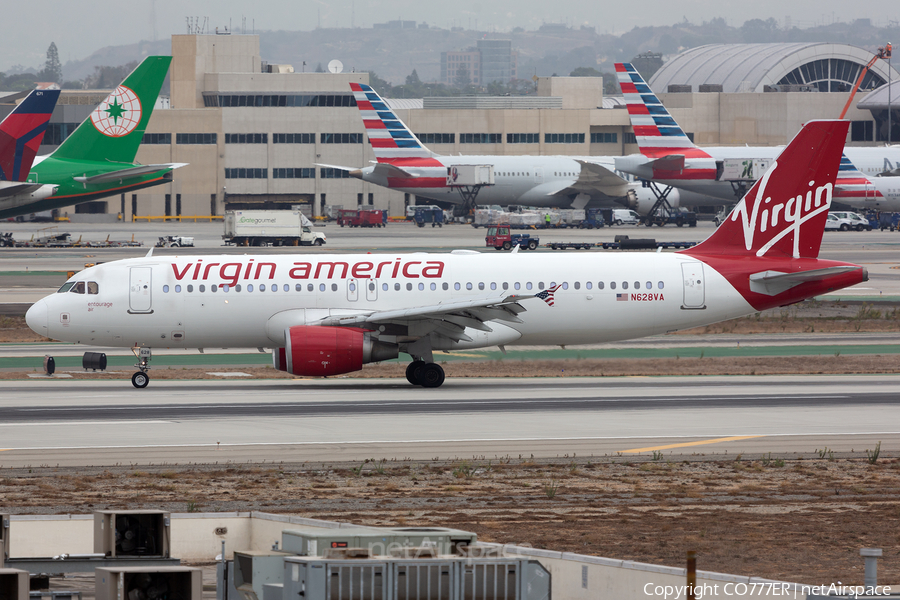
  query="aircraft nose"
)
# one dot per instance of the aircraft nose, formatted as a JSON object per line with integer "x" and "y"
{"x": 37, "y": 318}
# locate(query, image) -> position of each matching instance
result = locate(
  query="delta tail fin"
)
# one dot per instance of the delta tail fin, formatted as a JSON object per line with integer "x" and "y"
{"x": 784, "y": 213}
{"x": 656, "y": 131}
{"x": 391, "y": 140}
{"x": 21, "y": 133}
{"x": 113, "y": 132}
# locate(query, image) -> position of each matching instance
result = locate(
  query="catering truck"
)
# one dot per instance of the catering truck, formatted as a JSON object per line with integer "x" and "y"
{"x": 270, "y": 227}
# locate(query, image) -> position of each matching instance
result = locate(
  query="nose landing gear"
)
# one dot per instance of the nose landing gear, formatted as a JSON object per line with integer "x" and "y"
{"x": 140, "y": 379}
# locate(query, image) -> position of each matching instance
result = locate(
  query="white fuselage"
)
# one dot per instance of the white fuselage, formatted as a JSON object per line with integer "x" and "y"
{"x": 207, "y": 302}
{"x": 869, "y": 161}
{"x": 524, "y": 180}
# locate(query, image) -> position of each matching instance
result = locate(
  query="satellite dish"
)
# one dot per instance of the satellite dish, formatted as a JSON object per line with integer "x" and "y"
{"x": 335, "y": 66}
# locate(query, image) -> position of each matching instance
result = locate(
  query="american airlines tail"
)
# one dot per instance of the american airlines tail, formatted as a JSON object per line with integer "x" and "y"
{"x": 21, "y": 133}
{"x": 657, "y": 133}
{"x": 391, "y": 140}
{"x": 852, "y": 184}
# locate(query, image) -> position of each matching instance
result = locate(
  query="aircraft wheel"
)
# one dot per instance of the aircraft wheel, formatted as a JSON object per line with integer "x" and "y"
{"x": 414, "y": 372}
{"x": 140, "y": 380}
{"x": 507, "y": 245}
{"x": 431, "y": 375}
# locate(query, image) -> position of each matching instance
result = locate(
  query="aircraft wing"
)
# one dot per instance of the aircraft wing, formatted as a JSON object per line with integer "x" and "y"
{"x": 594, "y": 177}
{"x": 382, "y": 169}
{"x": 448, "y": 319}
{"x": 126, "y": 173}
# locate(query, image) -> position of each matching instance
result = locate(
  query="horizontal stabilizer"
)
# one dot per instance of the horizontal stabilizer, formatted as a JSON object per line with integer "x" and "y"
{"x": 14, "y": 189}
{"x": 772, "y": 283}
{"x": 672, "y": 162}
{"x": 389, "y": 170}
{"x": 127, "y": 173}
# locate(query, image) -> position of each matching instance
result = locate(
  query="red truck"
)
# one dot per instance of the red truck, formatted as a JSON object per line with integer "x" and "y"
{"x": 499, "y": 238}
{"x": 362, "y": 218}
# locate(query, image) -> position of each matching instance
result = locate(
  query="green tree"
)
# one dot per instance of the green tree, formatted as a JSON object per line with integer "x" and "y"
{"x": 381, "y": 86}
{"x": 585, "y": 72}
{"x": 52, "y": 70}
{"x": 462, "y": 78}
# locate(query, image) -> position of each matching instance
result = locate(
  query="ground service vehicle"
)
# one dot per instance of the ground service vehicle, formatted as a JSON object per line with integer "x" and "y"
{"x": 678, "y": 216}
{"x": 362, "y": 218}
{"x": 270, "y": 227}
{"x": 851, "y": 221}
{"x": 429, "y": 214}
{"x": 500, "y": 239}
{"x": 624, "y": 216}
{"x": 327, "y": 314}
{"x": 175, "y": 241}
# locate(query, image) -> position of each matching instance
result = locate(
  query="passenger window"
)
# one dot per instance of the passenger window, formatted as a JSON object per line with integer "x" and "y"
{"x": 480, "y": 285}
{"x": 352, "y": 287}
{"x": 493, "y": 286}
{"x": 202, "y": 288}
{"x": 505, "y": 286}
{"x": 612, "y": 285}
{"x": 262, "y": 287}
{"x": 517, "y": 285}
{"x": 225, "y": 287}
{"x": 178, "y": 289}
{"x": 237, "y": 288}
{"x": 540, "y": 285}
{"x": 577, "y": 285}
{"x": 299, "y": 287}
{"x": 213, "y": 288}
{"x": 384, "y": 287}
{"x": 445, "y": 286}
{"x": 93, "y": 288}
{"x": 274, "y": 287}
{"x": 333, "y": 287}
{"x": 165, "y": 289}
{"x": 78, "y": 288}
{"x": 600, "y": 285}
{"x": 287, "y": 287}
{"x": 397, "y": 287}
{"x": 587, "y": 285}
{"x": 321, "y": 287}
{"x": 624, "y": 285}
{"x": 190, "y": 288}
{"x": 421, "y": 286}
{"x": 637, "y": 285}
{"x": 433, "y": 286}
{"x": 469, "y": 285}
{"x": 456, "y": 286}
{"x": 660, "y": 285}
{"x": 408, "y": 287}
{"x": 649, "y": 285}
{"x": 528, "y": 286}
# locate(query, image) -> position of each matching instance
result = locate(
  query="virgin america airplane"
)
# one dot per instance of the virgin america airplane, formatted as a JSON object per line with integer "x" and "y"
{"x": 330, "y": 314}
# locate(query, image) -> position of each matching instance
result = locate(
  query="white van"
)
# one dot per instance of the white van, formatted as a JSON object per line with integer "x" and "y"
{"x": 624, "y": 216}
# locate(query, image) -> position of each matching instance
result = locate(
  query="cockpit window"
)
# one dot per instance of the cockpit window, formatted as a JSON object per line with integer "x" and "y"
{"x": 65, "y": 287}
{"x": 78, "y": 288}
{"x": 93, "y": 288}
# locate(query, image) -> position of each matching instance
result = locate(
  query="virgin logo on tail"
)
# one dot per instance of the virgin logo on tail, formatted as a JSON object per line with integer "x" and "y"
{"x": 791, "y": 215}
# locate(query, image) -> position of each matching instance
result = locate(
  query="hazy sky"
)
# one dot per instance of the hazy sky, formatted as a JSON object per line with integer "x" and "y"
{"x": 79, "y": 28}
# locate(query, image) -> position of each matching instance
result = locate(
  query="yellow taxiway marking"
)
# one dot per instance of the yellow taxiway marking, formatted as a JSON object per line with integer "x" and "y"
{"x": 700, "y": 443}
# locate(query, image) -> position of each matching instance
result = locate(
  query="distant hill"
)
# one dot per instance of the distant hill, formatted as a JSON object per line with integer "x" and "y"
{"x": 114, "y": 56}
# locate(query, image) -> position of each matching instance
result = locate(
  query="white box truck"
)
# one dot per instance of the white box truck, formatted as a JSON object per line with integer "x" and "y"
{"x": 270, "y": 227}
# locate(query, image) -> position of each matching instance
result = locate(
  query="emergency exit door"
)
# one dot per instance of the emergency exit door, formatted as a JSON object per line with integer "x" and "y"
{"x": 140, "y": 290}
{"x": 694, "y": 285}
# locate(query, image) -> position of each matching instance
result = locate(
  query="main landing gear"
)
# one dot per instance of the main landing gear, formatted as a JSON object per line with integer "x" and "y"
{"x": 141, "y": 379}
{"x": 426, "y": 374}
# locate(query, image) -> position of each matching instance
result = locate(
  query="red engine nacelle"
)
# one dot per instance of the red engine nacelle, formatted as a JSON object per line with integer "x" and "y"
{"x": 321, "y": 351}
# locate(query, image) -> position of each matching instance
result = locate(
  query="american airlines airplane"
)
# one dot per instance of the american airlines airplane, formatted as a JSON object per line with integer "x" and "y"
{"x": 330, "y": 314}
{"x": 669, "y": 157}
{"x": 405, "y": 164}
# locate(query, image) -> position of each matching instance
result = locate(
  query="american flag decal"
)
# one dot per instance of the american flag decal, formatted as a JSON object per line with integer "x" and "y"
{"x": 621, "y": 297}
{"x": 547, "y": 295}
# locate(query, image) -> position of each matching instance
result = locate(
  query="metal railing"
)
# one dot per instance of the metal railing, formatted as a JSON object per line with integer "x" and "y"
{"x": 179, "y": 218}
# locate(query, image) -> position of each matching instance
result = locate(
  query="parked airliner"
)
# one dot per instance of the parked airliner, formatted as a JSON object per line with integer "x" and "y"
{"x": 405, "y": 164}
{"x": 669, "y": 157}
{"x": 330, "y": 314}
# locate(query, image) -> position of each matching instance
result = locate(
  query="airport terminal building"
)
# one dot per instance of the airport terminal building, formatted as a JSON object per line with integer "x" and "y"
{"x": 262, "y": 136}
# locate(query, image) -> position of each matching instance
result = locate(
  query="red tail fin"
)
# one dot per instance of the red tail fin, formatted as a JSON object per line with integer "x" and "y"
{"x": 784, "y": 214}
{"x": 21, "y": 133}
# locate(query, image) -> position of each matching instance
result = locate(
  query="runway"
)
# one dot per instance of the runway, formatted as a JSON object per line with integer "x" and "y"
{"x": 84, "y": 423}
